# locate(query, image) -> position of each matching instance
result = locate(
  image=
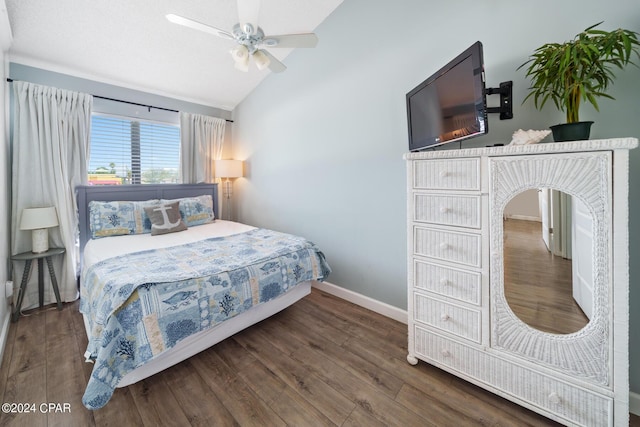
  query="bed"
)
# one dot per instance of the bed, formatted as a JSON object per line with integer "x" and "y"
{"x": 142, "y": 313}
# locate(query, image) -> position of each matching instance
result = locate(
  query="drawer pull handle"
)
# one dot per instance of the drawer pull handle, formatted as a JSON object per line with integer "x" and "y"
{"x": 444, "y": 174}
{"x": 554, "y": 398}
{"x": 444, "y": 246}
{"x": 444, "y": 209}
{"x": 444, "y": 281}
{"x": 445, "y": 317}
{"x": 445, "y": 353}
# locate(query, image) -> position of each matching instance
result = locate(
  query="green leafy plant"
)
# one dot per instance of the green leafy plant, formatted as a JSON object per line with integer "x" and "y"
{"x": 580, "y": 69}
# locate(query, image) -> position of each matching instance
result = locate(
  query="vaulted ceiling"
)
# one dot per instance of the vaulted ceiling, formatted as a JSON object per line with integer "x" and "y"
{"x": 132, "y": 44}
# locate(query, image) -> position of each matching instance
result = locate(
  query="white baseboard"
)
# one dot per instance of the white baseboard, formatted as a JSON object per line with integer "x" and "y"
{"x": 524, "y": 217}
{"x": 634, "y": 403}
{"x": 379, "y": 307}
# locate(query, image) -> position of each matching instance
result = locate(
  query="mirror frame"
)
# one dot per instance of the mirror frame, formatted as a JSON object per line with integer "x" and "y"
{"x": 584, "y": 353}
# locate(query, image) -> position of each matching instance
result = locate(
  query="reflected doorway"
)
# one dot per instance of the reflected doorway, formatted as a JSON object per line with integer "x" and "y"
{"x": 538, "y": 284}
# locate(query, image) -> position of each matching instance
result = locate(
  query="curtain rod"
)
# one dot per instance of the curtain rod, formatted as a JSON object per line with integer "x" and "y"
{"x": 131, "y": 103}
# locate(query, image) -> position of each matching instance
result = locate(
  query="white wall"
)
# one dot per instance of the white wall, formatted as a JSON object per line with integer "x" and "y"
{"x": 324, "y": 140}
{"x": 524, "y": 206}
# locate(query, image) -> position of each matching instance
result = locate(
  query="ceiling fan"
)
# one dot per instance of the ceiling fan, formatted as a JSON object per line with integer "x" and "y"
{"x": 250, "y": 38}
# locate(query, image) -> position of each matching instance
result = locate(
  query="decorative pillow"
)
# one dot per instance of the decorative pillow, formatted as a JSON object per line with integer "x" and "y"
{"x": 165, "y": 218}
{"x": 119, "y": 217}
{"x": 195, "y": 210}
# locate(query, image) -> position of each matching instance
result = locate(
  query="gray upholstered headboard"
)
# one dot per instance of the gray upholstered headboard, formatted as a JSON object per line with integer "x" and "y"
{"x": 109, "y": 193}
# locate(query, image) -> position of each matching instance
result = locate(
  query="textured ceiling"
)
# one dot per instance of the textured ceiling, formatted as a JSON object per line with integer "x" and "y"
{"x": 130, "y": 43}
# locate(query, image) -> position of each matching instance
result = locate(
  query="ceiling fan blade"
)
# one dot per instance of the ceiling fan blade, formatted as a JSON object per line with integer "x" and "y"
{"x": 291, "y": 40}
{"x": 248, "y": 12}
{"x": 274, "y": 63}
{"x": 180, "y": 20}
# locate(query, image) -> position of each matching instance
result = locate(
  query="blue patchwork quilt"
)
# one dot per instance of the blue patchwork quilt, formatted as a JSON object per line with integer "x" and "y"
{"x": 141, "y": 304}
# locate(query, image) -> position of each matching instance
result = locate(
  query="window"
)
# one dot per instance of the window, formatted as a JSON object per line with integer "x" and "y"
{"x": 130, "y": 151}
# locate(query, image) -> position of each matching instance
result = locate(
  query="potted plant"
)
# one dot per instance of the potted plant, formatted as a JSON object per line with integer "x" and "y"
{"x": 578, "y": 70}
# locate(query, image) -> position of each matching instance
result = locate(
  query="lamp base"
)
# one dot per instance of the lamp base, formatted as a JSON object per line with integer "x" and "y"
{"x": 39, "y": 240}
{"x": 228, "y": 189}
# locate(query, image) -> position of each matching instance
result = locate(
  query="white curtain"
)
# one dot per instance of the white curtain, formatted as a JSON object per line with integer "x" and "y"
{"x": 201, "y": 141}
{"x": 50, "y": 153}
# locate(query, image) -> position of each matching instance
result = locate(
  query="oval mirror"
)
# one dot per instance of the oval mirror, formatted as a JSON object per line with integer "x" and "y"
{"x": 548, "y": 241}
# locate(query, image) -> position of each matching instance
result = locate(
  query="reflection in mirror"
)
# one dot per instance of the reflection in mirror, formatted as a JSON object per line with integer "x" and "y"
{"x": 547, "y": 260}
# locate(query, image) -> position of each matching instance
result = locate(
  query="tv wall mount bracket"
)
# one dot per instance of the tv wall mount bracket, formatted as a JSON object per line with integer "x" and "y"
{"x": 506, "y": 94}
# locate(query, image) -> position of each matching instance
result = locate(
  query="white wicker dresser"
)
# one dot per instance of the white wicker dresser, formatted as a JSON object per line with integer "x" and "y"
{"x": 459, "y": 317}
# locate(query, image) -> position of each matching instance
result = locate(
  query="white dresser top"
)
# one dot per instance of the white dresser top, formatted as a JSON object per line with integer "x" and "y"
{"x": 540, "y": 148}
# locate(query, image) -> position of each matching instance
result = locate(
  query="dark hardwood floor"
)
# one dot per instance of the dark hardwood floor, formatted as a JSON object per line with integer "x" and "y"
{"x": 322, "y": 361}
{"x": 538, "y": 285}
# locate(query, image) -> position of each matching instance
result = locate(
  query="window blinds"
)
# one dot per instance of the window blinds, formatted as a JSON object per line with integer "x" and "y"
{"x": 130, "y": 151}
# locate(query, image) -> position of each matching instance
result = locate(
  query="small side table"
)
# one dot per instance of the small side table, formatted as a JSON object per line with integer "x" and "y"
{"x": 28, "y": 257}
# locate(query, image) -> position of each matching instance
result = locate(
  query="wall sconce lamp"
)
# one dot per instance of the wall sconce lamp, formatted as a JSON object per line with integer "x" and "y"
{"x": 39, "y": 220}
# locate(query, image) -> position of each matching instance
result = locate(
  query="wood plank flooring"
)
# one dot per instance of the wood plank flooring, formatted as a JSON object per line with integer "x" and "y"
{"x": 320, "y": 362}
{"x": 538, "y": 285}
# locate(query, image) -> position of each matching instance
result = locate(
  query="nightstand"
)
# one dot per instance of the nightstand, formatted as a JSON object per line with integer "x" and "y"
{"x": 28, "y": 257}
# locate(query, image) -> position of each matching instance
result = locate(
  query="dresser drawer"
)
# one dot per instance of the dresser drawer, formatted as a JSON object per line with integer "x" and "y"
{"x": 455, "y": 283}
{"x": 455, "y": 319}
{"x": 447, "y": 174}
{"x": 566, "y": 401}
{"x": 461, "y": 211}
{"x": 462, "y": 248}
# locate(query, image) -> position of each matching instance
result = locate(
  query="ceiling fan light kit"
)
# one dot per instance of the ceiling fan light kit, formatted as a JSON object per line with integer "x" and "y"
{"x": 251, "y": 38}
{"x": 240, "y": 55}
{"x": 248, "y": 39}
{"x": 261, "y": 60}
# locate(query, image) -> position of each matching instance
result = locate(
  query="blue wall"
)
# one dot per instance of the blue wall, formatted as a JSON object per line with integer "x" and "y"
{"x": 324, "y": 141}
{"x": 64, "y": 81}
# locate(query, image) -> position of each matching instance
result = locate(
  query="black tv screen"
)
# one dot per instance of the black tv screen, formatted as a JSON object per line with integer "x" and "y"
{"x": 451, "y": 104}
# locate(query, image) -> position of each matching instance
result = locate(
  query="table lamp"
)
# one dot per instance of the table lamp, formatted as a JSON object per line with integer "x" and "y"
{"x": 39, "y": 220}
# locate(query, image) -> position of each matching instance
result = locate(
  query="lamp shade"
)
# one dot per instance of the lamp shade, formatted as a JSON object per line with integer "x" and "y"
{"x": 37, "y": 218}
{"x": 261, "y": 59}
{"x": 228, "y": 168}
{"x": 240, "y": 56}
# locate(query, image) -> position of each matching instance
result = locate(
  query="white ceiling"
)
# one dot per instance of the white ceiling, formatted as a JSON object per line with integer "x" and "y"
{"x": 130, "y": 43}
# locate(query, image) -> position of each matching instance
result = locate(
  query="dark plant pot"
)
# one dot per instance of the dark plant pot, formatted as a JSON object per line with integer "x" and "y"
{"x": 577, "y": 131}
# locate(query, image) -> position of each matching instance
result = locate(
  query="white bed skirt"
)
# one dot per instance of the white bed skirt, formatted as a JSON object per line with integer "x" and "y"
{"x": 202, "y": 340}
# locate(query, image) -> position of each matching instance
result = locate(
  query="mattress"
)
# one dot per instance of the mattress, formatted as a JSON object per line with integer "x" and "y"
{"x": 205, "y": 339}
{"x": 152, "y": 301}
{"x": 97, "y": 250}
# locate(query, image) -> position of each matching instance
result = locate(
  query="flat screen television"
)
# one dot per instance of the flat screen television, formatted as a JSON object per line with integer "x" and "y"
{"x": 451, "y": 104}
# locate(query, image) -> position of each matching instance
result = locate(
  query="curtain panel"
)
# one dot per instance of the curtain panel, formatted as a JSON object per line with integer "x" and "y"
{"x": 201, "y": 142}
{"x": 50, "y": 154}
